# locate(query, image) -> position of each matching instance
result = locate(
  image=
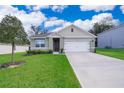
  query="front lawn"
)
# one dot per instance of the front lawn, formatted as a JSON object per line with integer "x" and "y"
{"x": 41, "y": 71}
{"x": 117, "y": 53}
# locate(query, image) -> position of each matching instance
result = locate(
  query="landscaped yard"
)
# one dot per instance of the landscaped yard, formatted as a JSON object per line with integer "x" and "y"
{"x": 117, "y": 53}
{"x": 44, "y": 70}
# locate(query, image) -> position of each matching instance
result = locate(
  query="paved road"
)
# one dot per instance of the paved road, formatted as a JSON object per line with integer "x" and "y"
{"x": 97, "y": 71}
{"x": 6, "y": 48}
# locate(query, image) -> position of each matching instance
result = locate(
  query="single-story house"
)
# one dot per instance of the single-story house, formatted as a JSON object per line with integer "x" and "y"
{"x": 112, "y": 38}
{"x": 70, "y": 39}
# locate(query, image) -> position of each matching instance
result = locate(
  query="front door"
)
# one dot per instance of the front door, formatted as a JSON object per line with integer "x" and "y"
{"x": 56, "y": 44}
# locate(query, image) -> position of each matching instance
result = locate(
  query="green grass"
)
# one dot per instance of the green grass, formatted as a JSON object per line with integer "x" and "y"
{"x": 39, "y": 71}
{"x": 117, "y": 53}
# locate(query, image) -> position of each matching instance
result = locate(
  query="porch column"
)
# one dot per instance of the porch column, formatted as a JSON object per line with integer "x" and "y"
{"x": 61, "y": 42}
{"x": 51, "y": 43}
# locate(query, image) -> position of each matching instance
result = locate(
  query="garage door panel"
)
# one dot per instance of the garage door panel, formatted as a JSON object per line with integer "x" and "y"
{"x": 77, "y": 46}
{"x": 76, "y": 40}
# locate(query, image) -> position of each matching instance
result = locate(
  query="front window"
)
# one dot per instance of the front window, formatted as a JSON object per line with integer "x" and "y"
{"x": 40, "y": 42}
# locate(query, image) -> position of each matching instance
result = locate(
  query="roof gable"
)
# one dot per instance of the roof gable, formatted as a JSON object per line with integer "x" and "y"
{"x": 78, "y": 32}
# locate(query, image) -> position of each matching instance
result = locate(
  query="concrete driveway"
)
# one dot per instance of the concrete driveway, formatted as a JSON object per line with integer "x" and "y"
{"x": 97, "y": 71}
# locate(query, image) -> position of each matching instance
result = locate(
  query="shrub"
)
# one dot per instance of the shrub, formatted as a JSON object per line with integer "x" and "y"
{"x": 34, "y": 52}
{"x": 38, "y": 51}
{"x": 61, "y": 50}
{"x": 29, "y": 52}
{"x": 50, "y": 51}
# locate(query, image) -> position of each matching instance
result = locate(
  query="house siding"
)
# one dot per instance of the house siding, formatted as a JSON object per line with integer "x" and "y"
{"x": 76, "y": 32}
{"x": 113, "y": 38}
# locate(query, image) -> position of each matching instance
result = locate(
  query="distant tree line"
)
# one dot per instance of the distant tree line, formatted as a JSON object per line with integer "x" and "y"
{"x": 98, "y": 28}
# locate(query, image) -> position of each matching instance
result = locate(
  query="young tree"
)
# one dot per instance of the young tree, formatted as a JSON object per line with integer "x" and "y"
{"x": 12, "y": 31}
{"x": 39, "y": 30}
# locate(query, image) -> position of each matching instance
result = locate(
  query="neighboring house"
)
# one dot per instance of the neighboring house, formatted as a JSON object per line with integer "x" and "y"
{"x": 71, "y": 39}
{"x": 113, "y": 38}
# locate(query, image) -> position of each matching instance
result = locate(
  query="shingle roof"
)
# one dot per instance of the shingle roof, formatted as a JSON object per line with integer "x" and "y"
{"x": 41, "y": 35}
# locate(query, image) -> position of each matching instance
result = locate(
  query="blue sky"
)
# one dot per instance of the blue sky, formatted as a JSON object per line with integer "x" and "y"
{"x": 73, "y": 12}
{"x": 56, "y": 17}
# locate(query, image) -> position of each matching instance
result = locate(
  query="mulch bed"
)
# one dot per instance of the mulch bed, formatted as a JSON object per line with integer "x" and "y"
{"x": 11, "y": 64}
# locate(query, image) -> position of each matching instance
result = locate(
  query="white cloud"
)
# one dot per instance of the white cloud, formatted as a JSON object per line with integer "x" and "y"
{"x": 86, "y": 24}
{"x": 55, "y": 8}
{"x": 122, "y": 8}
{"x": 54, "y": 22}
{"x": 33, "y": 18}
{"x": 105, "y": 18}
{"x": 97, "y": 8}
{"x": 62, "y": 26}
{"x": 58, "y": 8}
{"x": 38, "y": 7}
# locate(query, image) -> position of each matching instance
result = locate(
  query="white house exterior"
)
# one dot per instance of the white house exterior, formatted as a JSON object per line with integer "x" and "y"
{"x": 113, "y": 37}
{"x": 71, "y": 39}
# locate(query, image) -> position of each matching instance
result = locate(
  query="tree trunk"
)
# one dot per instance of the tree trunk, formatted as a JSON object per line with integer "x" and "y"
{"x": 13, "y": 48}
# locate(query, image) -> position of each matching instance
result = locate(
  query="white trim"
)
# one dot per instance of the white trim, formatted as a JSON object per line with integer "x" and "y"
{"x": 39, "y": 48}
{"x": 37, "y": 37}
{"x": 78, "y": 37}
{"x": 55, "y": 36}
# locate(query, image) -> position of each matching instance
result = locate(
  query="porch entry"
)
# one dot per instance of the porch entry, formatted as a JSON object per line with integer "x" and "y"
{"x": 56, "y": 44}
